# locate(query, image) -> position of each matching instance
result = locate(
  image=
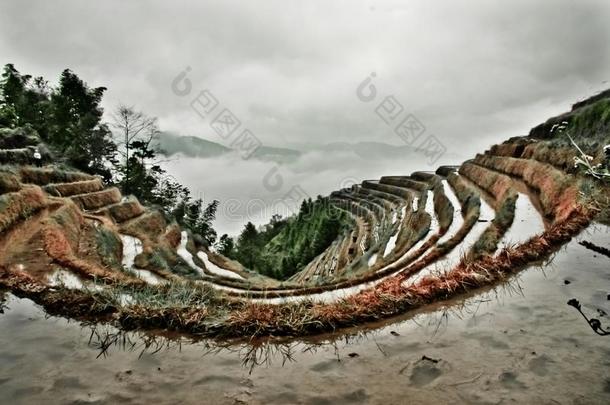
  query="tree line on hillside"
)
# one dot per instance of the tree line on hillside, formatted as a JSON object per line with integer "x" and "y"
{"x": 68, "y": 118}
{"x": 285, "y": 246}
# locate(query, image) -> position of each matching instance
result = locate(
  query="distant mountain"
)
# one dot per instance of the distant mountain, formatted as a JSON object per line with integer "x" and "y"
{"x": 171, "y": 144}
{"x": 191, "y": 146}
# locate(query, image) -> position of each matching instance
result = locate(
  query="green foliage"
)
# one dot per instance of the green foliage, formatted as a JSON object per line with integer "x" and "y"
{"x": 68, "y": 118}
{"x": 108, "y": 245}
{"x": 225, "y": 245}
{"x": 284, "y": 247}
{"x": 249, "y": 245}
{"x": 591, "y": 122}
{"x": 193, "y": 216}
{"x": 23, "y": 100}
{"x": 588, "y": 125}
{"x": 76, "y": 125}
{"x": 19, "y": 137}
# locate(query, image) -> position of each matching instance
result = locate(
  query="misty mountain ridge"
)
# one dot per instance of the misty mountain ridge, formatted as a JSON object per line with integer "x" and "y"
{"x": 192, "y": 146}
{"x": 171, "y": 144}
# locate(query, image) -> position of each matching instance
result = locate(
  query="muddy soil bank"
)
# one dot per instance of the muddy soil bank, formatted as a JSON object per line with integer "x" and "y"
{"x": 517, "y": 343}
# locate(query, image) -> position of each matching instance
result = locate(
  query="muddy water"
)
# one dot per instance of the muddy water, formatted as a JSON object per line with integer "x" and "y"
{"x": 519, "y": 343}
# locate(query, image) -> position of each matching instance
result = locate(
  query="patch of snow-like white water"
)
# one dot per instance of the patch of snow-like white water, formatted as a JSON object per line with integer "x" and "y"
{"x": 391, "y": 244}
{"x": 216, "y": 269}
{"x": 451, "y": 259}
{"x": 430, "y": 209}
{"x": 394, "y": 217}
{"x": 457, "y": 221}
{"x": 94, "y": 287}
{"x": 433, "y": 224}
{"x": 186, "y": 255}
{"x": 132, "y": 247}
{"x": 148, "y": 276}
{"x": 66, "y": 279}
{"x": 527, "y": 223}
{"x": 125, "y": 300}
{"x": 389, "y": 247}
{"x": 372, "y": 259}
{"x": 487, "y": 212}
{"x": 415, "y": 204}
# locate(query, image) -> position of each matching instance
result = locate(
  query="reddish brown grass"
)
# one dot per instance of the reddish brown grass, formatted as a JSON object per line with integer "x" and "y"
{"x": 19, "y": 205}
{"x": 558, "y": 156}
{"x": 496, "y": 184}
{"x": 98, "y": 199}
{"x": 173, "y": 235}
{"x": 9, "y": 183}
{"x": 150, "y": 225}
{"x": 61, "y": 234}
{"x": 46, "y": 176}
{"x": 75, "y": 188}
{"x": 125, "y": 210}
{"x": 558, "y": 192}
{"x": 507, "y": 149}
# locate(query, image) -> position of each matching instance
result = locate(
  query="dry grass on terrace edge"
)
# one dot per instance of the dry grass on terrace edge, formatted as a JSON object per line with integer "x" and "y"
{"x": 19, "y": 205}
{"x": 173, "y": 235}
{"x": 557, "y": 191}
{"x": 443, "y": 208}
{"x": 44, "y": 176}
{"x": 63, "y": 302}
{"x": 496, "y": 184}
{"x": 99, "y": 199}
{"x": 148, "y": 227}
{"x": 74, "y": 188}
{"x": 125, "y": 210}
{"x": 61, "y": 233}
{"x": 547, "y": 152}
{"x": 9, "y": 182}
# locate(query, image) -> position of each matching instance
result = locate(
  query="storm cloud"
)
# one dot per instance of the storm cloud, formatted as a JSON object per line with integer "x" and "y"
{"x": 474, "y": 70}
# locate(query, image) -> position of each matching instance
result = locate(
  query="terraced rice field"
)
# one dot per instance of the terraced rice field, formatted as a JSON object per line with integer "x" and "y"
{"x": 67, "y": 241}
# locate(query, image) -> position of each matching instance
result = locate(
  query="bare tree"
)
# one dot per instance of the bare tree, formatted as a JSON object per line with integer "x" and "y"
{"x": 133, "y": 126}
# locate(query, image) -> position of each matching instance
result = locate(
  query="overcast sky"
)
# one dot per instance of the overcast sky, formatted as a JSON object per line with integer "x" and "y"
{"x": 469, "y": 70}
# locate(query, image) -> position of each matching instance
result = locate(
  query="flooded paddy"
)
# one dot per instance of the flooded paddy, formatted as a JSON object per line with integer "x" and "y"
{"x": 517, "y": 343}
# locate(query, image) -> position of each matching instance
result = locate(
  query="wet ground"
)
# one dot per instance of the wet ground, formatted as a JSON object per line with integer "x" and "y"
{"x": 518, "y": 343}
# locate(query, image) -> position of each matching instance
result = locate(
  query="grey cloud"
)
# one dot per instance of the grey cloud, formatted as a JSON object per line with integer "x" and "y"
{"x": 474, "y": 72}
{"x": 457, "y": 64}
